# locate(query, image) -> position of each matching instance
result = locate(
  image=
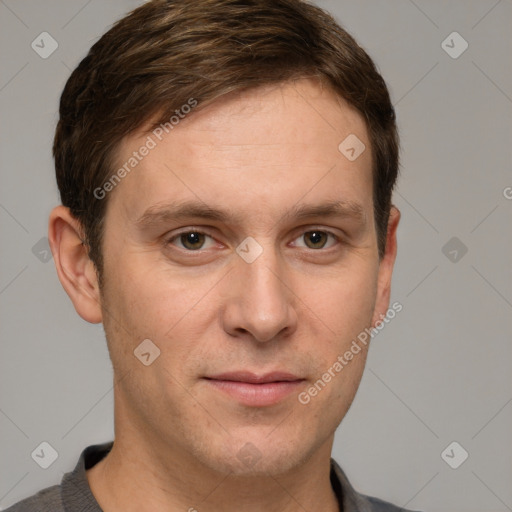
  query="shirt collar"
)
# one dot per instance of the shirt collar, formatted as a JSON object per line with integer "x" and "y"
{"x": 77, "y": 495}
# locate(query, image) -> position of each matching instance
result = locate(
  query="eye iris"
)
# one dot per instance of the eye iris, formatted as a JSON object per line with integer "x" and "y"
{"x": 316, "y": 238}
{"x": 189, "y": 239}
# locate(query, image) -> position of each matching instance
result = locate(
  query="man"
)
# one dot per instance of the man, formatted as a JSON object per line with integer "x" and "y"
{"x": 226, "y": 170}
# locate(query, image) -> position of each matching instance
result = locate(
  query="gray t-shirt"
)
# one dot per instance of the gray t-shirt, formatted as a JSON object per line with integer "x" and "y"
{"x": 73, "y": 494}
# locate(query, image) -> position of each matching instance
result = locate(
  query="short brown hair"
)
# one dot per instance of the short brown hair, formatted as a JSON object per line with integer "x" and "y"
{"x": 152, "y": 61}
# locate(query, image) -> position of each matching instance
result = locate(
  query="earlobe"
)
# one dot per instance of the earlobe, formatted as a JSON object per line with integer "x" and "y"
{"x": 75, "y": 270}
{"x": 386, "y": 267}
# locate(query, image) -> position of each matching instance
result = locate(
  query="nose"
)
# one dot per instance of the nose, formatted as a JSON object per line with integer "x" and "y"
{"x": 261, "y": 303}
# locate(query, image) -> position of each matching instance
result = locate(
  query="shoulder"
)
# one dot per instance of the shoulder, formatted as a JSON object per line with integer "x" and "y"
{"x": 353, "y": 501}
{"x": 73, "y": 493}
{"x": 378, "y": 505}
{"x": 46, "y": 500}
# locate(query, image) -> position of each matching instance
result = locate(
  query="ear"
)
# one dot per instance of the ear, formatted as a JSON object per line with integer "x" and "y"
{"x": 386, "y": 267}
{"x": 76, "y": 271}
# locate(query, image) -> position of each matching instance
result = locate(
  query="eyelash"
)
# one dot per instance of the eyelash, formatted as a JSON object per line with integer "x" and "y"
{"x": 174, "y": 237}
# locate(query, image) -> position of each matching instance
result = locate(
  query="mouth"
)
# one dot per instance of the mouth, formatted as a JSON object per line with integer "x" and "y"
{"x": 256, "y": 390}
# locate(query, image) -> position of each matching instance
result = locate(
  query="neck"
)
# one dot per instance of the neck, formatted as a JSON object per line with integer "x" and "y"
{"x": 142, "y": 474}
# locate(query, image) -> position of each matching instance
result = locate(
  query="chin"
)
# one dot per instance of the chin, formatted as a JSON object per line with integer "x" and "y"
{"x": 253, "y": 455}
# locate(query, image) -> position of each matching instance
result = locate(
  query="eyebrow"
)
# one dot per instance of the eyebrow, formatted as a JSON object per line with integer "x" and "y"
{"x": 166, "y": 213}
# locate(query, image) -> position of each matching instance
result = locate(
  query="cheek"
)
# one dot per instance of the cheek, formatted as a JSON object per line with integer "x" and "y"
{"x": 157, "y": 306}
{"x": 343, "y": 301}
{"x": 345, "y": 308}
{"x": 175, "y": 311}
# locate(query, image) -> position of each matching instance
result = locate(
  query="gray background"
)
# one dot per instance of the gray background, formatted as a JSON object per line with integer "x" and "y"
{"x": 439, "y": 372}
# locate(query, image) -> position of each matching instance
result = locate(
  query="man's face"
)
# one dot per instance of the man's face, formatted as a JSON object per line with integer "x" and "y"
{"x": 191, "y": 285}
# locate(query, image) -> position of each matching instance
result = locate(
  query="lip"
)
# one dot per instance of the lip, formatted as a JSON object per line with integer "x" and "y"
{"x": 256, "y": 390}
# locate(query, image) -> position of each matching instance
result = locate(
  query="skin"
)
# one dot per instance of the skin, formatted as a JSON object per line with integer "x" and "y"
{"x": 296, "y": 308}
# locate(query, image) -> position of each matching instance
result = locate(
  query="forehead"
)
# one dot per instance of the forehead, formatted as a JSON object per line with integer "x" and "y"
{"x": 261, "y": 150}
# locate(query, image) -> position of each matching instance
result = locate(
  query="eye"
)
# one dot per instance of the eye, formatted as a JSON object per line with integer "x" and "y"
{"x": 194, "y": 240}
{"x": 317, "y": 239}
{"x": 190, "y": 240}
